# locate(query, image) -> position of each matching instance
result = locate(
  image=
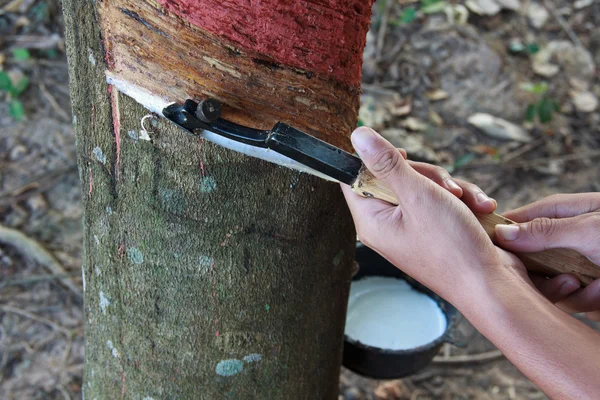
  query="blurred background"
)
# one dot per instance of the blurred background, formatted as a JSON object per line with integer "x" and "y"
{"x": 503, "y": 93}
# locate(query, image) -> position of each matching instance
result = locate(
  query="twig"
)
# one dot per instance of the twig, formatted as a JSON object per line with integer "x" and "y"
{"x": 563, "y": 24}
{"x": 468, "y": 358}
{"x": 63, "y": 368}
{"x": 36, "y": 279}
{"x": 64, "y": 392}
{"x": 35, "y": 251}
{"x": 535, "y": 161}
{"x": 34, "y": 317}
{"x": 378, "y": 89}
{"x": 53, "y": 102}
{"x": 40, "y": 42}
{"x": 566, "y": 157}
{"x": 522, "y": 150}
{"x": 36, "y": 185}
{"x": 382, "y": 29}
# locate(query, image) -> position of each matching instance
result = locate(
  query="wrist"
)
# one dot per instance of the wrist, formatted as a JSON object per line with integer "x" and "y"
{"x": 493, "y": 288}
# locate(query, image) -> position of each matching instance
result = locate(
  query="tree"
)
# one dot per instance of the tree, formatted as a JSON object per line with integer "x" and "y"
{"x": 208, "y": 274}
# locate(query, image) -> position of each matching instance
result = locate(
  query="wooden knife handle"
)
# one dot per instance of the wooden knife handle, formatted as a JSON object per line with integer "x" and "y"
{"x": 550, "y": 262}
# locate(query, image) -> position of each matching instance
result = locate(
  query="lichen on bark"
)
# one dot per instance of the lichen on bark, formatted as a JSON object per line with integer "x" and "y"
{"x": 208, "y": 274}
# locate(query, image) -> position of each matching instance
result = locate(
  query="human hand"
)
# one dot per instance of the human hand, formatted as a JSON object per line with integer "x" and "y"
{"x": 561, "y": 221}
{"x": 431, "y": 234}
{"x": 469, "y": 193}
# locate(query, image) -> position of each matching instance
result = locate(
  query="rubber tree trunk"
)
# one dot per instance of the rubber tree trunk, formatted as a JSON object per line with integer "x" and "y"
{"x": 208, "y": 274}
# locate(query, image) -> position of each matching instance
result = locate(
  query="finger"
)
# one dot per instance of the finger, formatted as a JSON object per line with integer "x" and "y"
{"x": 557, "y": 206}
{"x": 439, "y": 175}
{"x": 557, "y": 288}
{"x": 383, "y": 160}
{"x": 369, "y": 214}
{"x": 578, "y": 233}
{"x": 475, "y": 198}
{"x": 403, "y": 152}
{"x": 363, "y": 207}
{"x": 593, "y": 315}
{"x": 583, "y": 300}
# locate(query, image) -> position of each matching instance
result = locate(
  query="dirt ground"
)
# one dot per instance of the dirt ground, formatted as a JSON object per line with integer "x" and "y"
{"x": 429, "y": 67}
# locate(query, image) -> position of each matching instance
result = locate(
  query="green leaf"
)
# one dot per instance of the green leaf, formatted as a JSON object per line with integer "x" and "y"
{"x": 360, "y": 123}
{"x": 21, "y": 54}
{"x": 533, "y": 48}
{"x": 5, "y": 83}
{"x": 516, "y": 47}
{"x": 20, "y": 86}
{"x": 535, "y": 88}
{"x": 40, "y": 11}
{"x": 51, "y": 53}
{"x": 16, "y": 109}
{"x": 381, "y": 7}
{"x": 545, "y": 109}
{"x": 408, "y": 15}
{"x": 531, "y": 112}
{"x": 434, "y": 8}
{"x": 464, "y": 160}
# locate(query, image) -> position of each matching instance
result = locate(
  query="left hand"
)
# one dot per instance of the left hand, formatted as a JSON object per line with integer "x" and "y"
{"x": 563, "y": 290}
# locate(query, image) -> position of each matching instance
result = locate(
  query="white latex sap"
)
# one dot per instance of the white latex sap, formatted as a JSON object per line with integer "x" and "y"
{"x": 389, "y": 314}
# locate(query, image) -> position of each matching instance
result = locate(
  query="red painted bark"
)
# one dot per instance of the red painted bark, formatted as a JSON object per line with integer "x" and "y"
{"x": 322, "y": 36}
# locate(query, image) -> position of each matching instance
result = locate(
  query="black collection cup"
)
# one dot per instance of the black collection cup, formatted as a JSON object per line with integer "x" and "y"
{"x": 379, "y": 363}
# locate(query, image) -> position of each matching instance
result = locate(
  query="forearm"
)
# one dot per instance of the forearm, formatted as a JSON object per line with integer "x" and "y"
{"x": 557, "y": 352}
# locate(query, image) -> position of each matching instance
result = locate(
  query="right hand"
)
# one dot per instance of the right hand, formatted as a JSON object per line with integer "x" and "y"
{"x": 431, "y": 235}
{"x": 569, "y": 221}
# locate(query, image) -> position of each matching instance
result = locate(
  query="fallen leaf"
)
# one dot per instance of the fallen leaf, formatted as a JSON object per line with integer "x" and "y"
{"x": 413, "y": 143}
{"x": 457, "y": 14}
{"x": 437, "y": 94}
{"x": 414, "y": 124}
{"x": 483, "y": 149}
{"x": 400, "y": 107}
{"x": 499, "y": 128}
{"x": 483, "y": 7}
{"x": 514, "y": 5}
{"x": 537, "y": 14}
{"x": 377, "y": 107}
{"x": 579, "y": 85}
{"x": 575, "y": 60}
{"x": 436, "y": 118}
{"x": 584, "y": 101}
{"x": 463, "y": 160}
{"x": 579, "y": 4}
{"x": 545, "y": 70}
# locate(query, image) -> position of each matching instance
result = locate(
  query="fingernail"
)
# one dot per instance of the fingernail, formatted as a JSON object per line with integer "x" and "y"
{"x": 362, "y": 138}
{"x": 507, "y": 232}
{"x": 453, "y": 185}
{"x": 567, "y": 287}
{"x": 482, "y": 198}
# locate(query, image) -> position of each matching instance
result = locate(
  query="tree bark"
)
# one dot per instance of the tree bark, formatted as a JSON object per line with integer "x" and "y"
{"x": 208, "y": 274}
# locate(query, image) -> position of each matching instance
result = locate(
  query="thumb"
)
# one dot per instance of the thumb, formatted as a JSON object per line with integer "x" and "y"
{"x": 577, "y": 233}
{"x": 380, "y": 157}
